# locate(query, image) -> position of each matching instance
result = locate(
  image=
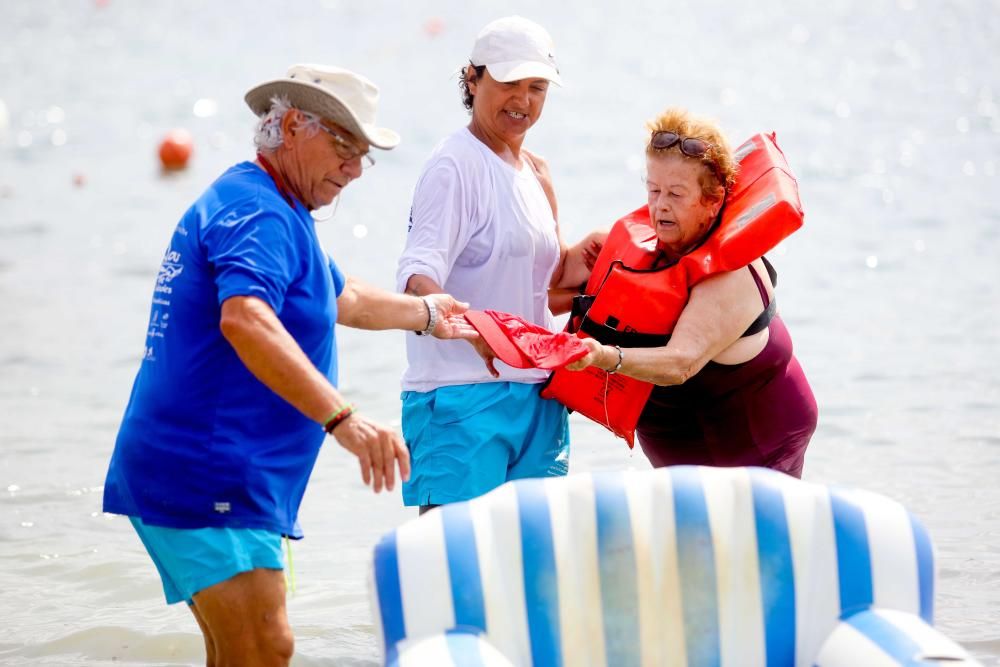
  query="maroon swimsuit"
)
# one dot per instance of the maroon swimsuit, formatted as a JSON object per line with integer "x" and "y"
{"x": 758, "y": 413}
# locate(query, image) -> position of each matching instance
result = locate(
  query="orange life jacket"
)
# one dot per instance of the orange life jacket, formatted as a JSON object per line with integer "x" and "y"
{"x": 632, "y": 305}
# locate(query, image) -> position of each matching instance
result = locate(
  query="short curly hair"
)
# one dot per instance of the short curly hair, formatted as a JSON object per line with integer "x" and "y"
{"x": 463, "y": 83}
{"x": 721, "y": 167}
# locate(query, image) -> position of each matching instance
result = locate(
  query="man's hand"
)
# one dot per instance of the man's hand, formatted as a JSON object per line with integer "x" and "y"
{"x": 451, "y": 323}
{"x": 378, "y": 449}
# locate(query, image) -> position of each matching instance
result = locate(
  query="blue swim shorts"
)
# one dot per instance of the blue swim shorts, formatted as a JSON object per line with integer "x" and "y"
{"x": 465, "y": 440}
{"x": 190, "y": 560}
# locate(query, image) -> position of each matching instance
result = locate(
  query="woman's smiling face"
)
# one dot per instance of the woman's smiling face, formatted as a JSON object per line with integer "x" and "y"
{"x": 506, "y": 111}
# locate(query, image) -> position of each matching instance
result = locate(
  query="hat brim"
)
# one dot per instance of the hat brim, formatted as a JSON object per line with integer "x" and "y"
{"x": 523, "y": 69}
{"x": 497, "y": 339}
{"x": 308, "y": 97}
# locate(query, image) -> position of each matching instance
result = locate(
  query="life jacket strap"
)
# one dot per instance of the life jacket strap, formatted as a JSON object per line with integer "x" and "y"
{"x": 608, "y": 335}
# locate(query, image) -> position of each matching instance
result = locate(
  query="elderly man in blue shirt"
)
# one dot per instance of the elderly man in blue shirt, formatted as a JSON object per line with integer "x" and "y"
{"x": 237, "y": 388}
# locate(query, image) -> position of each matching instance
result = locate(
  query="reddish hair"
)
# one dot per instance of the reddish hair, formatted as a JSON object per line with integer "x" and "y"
{"x": 720, "y": 167}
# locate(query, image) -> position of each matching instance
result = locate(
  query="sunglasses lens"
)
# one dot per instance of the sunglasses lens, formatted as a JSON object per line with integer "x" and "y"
{"x": 694, "y": 147}
{"x": 661, "y": 140}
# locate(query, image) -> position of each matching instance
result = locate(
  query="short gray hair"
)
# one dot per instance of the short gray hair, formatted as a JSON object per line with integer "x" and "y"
{"x": 269, "y": 135}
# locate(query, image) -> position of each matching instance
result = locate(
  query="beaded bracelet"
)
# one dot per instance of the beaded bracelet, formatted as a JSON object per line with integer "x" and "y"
{"x": 340, "y": 415}
{"x": 621, "y": 358}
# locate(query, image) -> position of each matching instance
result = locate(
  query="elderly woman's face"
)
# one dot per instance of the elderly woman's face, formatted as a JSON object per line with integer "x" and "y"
{"x": 679, "y": 213}
{"x": 507, "y": 110}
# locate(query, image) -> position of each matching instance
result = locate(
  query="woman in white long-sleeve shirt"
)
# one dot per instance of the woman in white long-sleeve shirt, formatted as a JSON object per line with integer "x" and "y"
{"x": 483, "y": 228}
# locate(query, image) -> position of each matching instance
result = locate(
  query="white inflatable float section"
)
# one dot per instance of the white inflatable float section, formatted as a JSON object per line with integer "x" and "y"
{"x": 678, "y": 566}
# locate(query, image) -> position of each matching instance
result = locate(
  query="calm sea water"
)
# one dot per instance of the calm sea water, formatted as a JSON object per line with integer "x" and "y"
{"x": 888, "y": 111}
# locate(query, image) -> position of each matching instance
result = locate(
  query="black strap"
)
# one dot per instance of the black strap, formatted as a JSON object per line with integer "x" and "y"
{"x": 608, "y": 335}
{"x": 581, "y": 305}
{"x": 762, "y": 320}
{"x": 772, "y": 272}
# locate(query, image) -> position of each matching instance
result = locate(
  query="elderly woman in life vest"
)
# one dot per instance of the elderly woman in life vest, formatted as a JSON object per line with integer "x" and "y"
{"x": 728, "y": 389}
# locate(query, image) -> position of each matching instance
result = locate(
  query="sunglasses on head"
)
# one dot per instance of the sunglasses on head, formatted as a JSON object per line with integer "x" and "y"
{"x": 689, "y": 145}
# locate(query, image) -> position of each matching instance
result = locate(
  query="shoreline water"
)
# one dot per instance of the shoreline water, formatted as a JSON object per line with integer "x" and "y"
{"x": 887, "y": 111}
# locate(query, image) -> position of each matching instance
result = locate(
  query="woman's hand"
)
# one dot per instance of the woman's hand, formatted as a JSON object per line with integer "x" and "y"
{"x": 595, "y": 353}
{"x": 486, "y": 352}
{"x": 591, "y": 247}
{"x": 580, "y": 259}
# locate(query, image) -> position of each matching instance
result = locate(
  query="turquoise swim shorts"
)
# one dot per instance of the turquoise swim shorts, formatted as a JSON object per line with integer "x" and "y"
{"x": 465, "y": 440}
{"x": 190, "y": 560}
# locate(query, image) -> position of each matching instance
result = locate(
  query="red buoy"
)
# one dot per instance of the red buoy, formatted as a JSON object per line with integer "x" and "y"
{"x": 433, "y": 26}
{"x": 175, "y": 150}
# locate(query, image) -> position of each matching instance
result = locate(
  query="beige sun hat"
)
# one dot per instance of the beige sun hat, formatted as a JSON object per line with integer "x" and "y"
{"x": 334, "y": 93}
{"x": 514, "y": 48}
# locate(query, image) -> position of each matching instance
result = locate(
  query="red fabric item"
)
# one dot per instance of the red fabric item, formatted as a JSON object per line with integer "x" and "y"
{"x": 522, "y": 344}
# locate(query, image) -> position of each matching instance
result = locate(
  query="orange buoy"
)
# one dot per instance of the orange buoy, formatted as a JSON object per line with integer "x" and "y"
{"x": 433, "y": 26}
{"x": 175, "y": 150}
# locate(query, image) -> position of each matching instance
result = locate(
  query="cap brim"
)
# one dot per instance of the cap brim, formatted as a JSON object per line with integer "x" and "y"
{"x": 308, "y": 97}
{"x": 523, "y": 69}
{"x": 497, "y": 339}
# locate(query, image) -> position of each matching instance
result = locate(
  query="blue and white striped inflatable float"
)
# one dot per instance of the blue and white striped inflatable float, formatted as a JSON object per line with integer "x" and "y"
{"x": 678, "y": 566}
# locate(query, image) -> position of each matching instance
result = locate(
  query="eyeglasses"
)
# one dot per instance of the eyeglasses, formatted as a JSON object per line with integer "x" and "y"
{"x": 346, "y": 150}
{"x": 689, "y": 145}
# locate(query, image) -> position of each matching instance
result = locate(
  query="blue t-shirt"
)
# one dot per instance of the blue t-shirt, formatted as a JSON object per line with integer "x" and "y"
{"x": 203, "y": 442}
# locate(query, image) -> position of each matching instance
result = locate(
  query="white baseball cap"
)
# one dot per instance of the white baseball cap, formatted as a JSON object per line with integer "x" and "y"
{"x": 334, "y": 93}
{"x": 514, "y": 48}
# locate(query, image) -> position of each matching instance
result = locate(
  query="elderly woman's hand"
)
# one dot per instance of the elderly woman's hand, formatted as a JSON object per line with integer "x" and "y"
{"x": 593, "y": 355}
{"x": 379, "y": 450}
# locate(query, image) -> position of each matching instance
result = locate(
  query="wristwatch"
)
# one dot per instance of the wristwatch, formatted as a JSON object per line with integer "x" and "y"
{"x": 432, "y": 317}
